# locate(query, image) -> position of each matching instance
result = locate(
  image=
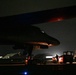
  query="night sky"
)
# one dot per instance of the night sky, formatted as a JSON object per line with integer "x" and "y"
{"x": 64, "y": 31}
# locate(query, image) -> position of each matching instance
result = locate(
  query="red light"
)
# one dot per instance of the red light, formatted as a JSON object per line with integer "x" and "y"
{"x": 56, "y": 19}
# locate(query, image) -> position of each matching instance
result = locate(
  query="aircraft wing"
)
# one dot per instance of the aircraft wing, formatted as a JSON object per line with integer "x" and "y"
{"x": 51, "y": 15}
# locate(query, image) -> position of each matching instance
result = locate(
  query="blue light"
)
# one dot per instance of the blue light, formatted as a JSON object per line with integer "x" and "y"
{"x": 25, "y": 73}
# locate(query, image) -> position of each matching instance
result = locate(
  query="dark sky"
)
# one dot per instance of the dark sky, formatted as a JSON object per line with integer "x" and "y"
{"x": 64, "y": 31}
{"x": 8, "y": 7}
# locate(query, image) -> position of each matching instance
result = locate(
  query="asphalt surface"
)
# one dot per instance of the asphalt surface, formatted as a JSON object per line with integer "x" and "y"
{"x": 53, "y": 69}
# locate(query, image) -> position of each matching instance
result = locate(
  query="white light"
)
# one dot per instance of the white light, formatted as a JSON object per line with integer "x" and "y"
{"x": 25, "y": 73}
{"x": 54, "y": 54}
{"x": 42, "y": 31}
{"x": 49, "y": 56}
{"x": 0, "y": 57}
